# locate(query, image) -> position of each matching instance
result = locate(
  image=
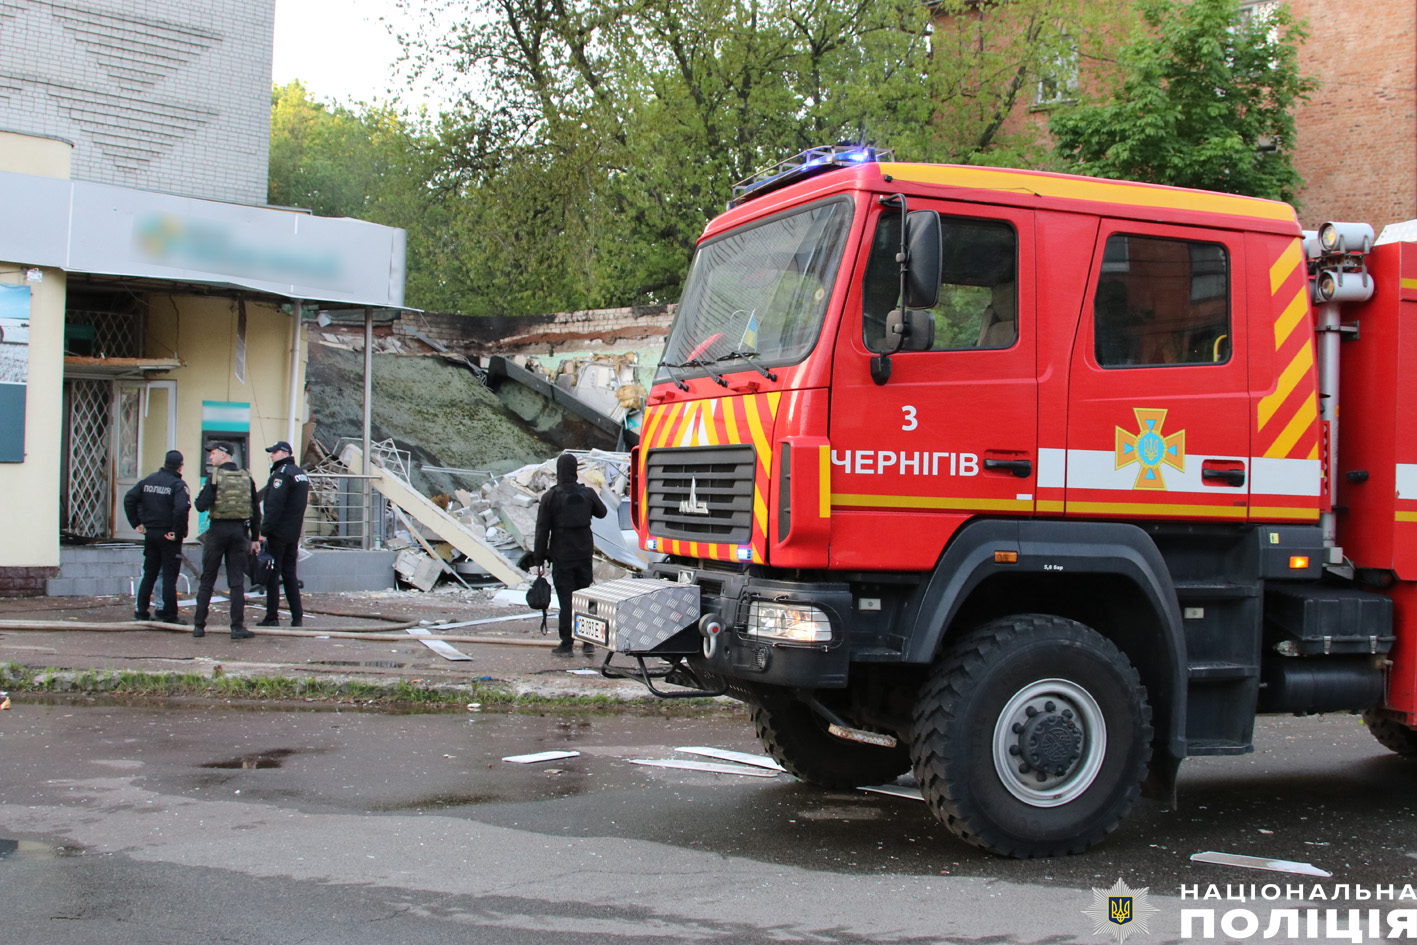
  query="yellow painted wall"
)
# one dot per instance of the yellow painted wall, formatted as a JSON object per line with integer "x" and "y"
{"x": 42, "y": 157}
{"x": 202, "y": 333}
{"x": 32, "y": 487}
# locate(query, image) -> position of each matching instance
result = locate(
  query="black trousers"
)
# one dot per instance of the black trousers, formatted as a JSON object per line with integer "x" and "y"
{"x": 225, "y": 540}
{"x": 285, "y": 553}
{"x": 569, "y": 577}
{"x": 164, "y": 557}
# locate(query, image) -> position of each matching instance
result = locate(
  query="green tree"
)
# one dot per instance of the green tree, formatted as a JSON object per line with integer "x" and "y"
{"x": 1203, "y": 98}
{"x": 594, "y": 138}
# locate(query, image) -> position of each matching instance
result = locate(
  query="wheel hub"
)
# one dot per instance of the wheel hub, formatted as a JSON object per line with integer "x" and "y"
{"x": 1050, "y": 741}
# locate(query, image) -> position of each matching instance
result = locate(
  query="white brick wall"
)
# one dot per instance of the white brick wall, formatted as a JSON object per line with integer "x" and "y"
{"x": 166, "y": 95}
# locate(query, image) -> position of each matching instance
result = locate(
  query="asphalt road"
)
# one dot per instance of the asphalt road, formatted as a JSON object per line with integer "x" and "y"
{"x": 208, "y": 823}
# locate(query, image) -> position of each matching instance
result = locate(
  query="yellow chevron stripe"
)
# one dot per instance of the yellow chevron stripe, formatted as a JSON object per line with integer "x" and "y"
{"x": 929, "y": 502}
{"x": 1287, "y": 262}
{"x": 755, "y": 426}
{"x": 760, "y": 512}
{"x": 824, "y": 481}
{"x": 1141, "y": 508}
{"x": 1298, "y": 368}
{"x": 730, "y": 421}
{"x": 1289, "y": 319}
{"x": 1301, "y": 423}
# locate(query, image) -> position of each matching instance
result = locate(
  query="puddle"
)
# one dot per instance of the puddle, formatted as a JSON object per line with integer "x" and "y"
{"x": 30, "y": 849}
{"x": 440, "y": 802}
{"x": 265, "y": 759}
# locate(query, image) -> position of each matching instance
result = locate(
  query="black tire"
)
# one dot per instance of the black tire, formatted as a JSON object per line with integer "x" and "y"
{"x": 1050, "y": 695}
{"x": 1392, "y": 735}
{"x": 797, "y": 738}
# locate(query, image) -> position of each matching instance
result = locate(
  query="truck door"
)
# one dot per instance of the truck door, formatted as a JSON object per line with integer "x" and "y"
{"x": 952, "y": 433}
{"x": 1158, "y": 418}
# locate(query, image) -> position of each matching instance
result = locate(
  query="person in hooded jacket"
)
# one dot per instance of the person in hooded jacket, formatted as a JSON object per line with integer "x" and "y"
{"x": 157, "y": 507}
{"x": 283, "y": 501}
{"x": 563, "y": 537}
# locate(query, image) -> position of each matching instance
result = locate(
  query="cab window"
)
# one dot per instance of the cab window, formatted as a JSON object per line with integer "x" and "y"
{"x": 978, "y": 306}
{"x": 1160, "y": 302}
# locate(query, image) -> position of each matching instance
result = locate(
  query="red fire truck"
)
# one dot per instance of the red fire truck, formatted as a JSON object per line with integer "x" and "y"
{"x": 1029, "y": 483}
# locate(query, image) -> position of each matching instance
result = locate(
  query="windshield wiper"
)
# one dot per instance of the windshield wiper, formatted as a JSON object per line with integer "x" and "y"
{"x": 749, "y": 356}
{"x": 705, "y": 363}
{"x": 669, "y": 369}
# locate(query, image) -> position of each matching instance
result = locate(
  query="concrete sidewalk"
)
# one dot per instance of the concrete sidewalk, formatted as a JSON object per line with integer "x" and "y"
{"x": 360, "y": 637}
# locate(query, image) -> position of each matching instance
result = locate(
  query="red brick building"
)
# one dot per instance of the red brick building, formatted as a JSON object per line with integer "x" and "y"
{"x": 1356, "y": 146}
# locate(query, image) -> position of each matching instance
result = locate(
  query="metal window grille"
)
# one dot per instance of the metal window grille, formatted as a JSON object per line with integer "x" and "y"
{"x": 90, "y": 411}
{"x": 115, "y": 334}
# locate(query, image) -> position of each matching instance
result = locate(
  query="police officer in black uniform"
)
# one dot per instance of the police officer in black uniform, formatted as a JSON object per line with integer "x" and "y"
{"x": 230, "y": 497}
{"x": 157, "y": 507}
{"x": 563, "y": 537}
{"x": 283, "y": 501}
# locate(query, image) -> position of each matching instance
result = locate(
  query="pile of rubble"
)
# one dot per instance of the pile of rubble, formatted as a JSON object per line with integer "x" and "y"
{"x": 502, "y": 515}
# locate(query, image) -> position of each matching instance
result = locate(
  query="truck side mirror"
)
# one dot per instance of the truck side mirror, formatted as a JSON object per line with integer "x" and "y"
{"x": 922, "y": 246}
{"x": 911, "y": 330}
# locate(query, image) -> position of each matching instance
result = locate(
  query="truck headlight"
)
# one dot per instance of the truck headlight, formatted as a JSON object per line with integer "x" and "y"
{"x": 790, "y": 623}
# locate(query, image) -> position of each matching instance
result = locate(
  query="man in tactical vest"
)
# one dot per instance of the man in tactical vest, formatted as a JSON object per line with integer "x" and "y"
{"x": 563, "y": 536}
{"x": 157, "y": 507}
{"x": 283, "y": 504}
{"x": 230, "y": 497}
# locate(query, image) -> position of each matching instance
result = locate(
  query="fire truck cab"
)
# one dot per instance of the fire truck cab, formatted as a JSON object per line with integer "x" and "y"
{"x": 1024, "y": 482}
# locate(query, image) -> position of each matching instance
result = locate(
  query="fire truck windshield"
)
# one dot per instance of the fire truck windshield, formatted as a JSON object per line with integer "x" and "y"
{"x": 758, "y": 295}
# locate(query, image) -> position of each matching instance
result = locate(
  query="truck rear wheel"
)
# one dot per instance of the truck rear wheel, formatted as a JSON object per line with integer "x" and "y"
{"x": 1392, "y": 735}
{"x": 797, "y": 738}
{"x": 1032, "y": 736}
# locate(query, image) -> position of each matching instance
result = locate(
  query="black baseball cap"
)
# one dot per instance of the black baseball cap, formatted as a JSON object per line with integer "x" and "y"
{"x": 173, "y": 459}
{"x": 222, "y": 445}
{"x": 282, "y": 445}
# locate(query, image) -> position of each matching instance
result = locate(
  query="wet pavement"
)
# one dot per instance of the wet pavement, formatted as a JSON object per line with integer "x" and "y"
{"x": 344, "y": 636}
{"x": 200, "y": 823}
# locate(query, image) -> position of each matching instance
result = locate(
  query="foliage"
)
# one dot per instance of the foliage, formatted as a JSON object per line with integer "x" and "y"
{"x": 1203, "y": 99}
{"x": 591, "y": 139}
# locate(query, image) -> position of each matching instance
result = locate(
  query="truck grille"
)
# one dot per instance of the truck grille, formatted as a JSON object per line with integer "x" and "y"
{"x": 701, "y": 494}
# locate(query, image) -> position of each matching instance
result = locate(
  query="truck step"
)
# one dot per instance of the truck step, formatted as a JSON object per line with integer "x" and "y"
{"x": 1219, "y": 671}
{"x": 1208, "y": 590}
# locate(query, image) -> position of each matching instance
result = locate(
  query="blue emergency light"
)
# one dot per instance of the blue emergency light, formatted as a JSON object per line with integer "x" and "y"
{"x": 801, "y": 166}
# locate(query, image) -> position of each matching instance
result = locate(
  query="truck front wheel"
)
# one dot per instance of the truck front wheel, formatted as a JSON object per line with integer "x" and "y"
{"x": 1032, "y": 736}
{"x": 1392, "y": 735}
{"x": 797, "y": 738}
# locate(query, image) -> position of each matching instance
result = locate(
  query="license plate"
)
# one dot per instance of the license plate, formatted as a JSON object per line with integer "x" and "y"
{"x": 590, "y": 629}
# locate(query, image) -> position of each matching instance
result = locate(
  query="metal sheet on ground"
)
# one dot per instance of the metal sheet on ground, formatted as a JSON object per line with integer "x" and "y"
{"x": 742, "y": 757}
{"x": 540, "y": 756}
{"x": 704, "y": 766}
{"x": 446, "y": 650}
{"x": 1258, "y": 863}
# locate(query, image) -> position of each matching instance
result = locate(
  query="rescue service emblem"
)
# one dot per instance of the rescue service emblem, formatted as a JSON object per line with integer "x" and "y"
{"x": 1150, "y": 448}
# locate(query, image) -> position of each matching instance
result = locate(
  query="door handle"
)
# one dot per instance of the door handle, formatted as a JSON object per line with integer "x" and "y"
{"x": 1022, "y": 468}
{"x": 1231, "y": 477}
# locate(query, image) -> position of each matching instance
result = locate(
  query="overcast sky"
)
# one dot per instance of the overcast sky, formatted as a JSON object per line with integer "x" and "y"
{"x": 342, "y": 52}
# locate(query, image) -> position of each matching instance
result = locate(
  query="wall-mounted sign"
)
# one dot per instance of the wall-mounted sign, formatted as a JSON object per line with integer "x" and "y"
{"x": 14, "y": 370}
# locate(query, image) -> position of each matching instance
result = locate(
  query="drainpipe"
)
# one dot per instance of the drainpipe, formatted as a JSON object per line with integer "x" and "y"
{"x": 292, "y": 426}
